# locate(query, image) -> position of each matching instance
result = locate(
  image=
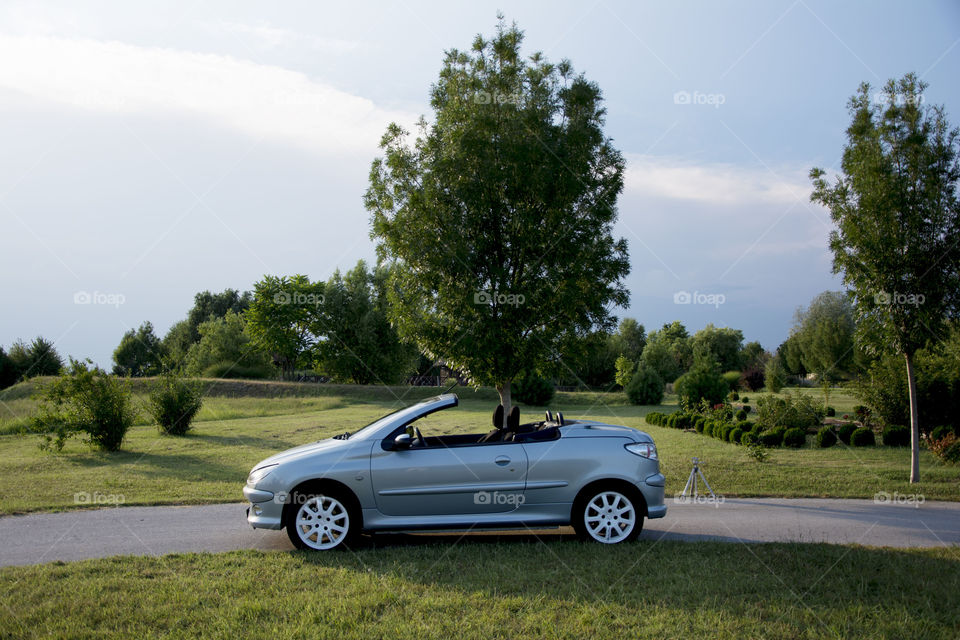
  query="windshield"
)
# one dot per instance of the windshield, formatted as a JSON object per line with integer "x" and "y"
{"x": 400, "y": 414}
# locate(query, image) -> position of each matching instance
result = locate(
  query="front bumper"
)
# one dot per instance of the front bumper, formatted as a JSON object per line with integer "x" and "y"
{"x": 265, "y": 511}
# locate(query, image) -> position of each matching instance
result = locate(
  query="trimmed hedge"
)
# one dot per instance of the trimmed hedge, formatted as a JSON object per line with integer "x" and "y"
{"x": 794, "y": 438}
{"x": 845, "y": 431}
{"x": 896, "y": 436}
{"x": 862, "y": 437}
{"x": 748, "y": 437}
{"x": 741, "y": 415}
{"x": 735, "y": 434}
{"x": 772, "y": 437}
{"x": 826, "y": 437}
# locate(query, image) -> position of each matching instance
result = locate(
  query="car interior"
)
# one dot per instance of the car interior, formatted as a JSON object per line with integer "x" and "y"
{"x": 542, "y": 431}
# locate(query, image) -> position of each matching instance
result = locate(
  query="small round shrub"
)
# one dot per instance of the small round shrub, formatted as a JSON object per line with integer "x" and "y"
{"x": 735, "y": 434}
{"x": 845, "y": 431}
{"x": 708, "y": 428}
{"x": 671, "y": 421}
{"x": 756, "y": 428}
{"x": 646, "y": 386}
{"x": 734, "y": 396}
{"x": 721, "y": 433}
{"x": 826, "y": 437}
{"x": 534, "y": 390}
{"x": 896, "y": 436}
{"x": 772, "y": 437}
{"x": 700, "y": 424}
{"x": 744, "y": 399}
{"x": 794, "y": 438}
{"x": 741, "y": 415}
{"x": 174, "y": 402}
{"x": 862, "y": 437}
{"x": 746, "y": 408}
{"x": 941, "y": 432}
{"x": 684, "y": 420}
{"x": 748, "y": 437}
{"x": 653, "y": 418}
{"x": 831, "y": 412}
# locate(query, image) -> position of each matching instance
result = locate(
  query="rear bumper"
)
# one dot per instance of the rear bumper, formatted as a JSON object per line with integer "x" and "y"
{"x": 652, "y": 489}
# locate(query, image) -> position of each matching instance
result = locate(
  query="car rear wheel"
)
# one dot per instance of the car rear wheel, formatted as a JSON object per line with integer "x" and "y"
{"x": 320, "y": 522}
{"x": 609, "y": 516}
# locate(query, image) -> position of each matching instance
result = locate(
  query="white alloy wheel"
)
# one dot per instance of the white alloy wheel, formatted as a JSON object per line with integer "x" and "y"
{"x": 610, "y": 517}
{"x": 322, "y": 522}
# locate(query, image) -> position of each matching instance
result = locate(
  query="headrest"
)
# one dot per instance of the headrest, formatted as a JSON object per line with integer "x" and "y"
{"x": 513, "y": 420}
{"x": 498, "y": 417}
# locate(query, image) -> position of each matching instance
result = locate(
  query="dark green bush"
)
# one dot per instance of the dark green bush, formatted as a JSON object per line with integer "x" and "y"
{"x": 799, "y": 410}
{"x": 744, "y": 399}
{"x": 732, "y": 378}
{"x": 772, "y": 437}
{"x": 952, "y": 453}
{"x": 708, "y": 427}
{"x": 532, "y": 389}
{"x": 174, "y": 402}
{"x": 826, "y": 437}
{"x": 748, "y": 437}
{"x": 734, "y": 396}
{"x": 831, "y": 412}
{"x": 86, "y": 400}
{"x": 700, "y": 424}
{"x": 794, "y": 438}
{"x": 701, "y": 382}
{"x": 671, "y": 420}
{"x": 654, "y": 418}
{"x": 862, "y": 437}
{"x": 846, "y": 430}
{"x": 239, "y": 371}
{"x": 747, "y": 408}
{"x": 896, "y": 436}
{"x": 721, "y": 433}
{"x": 741, "y": 415}
{"x": 646, "y": 386}
{"x": 735, "y": 434}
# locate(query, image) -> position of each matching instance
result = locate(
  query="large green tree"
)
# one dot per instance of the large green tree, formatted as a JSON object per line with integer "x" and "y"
{"x": 723, "y": 343}
{"x": 498, "y": 219}
{"x": 282, "y": 318}
{"x": 206, "y": 306}
{"x": 140, "y": 353}
{"x": 824, "y": 332}
{"x": 898, "y": 224}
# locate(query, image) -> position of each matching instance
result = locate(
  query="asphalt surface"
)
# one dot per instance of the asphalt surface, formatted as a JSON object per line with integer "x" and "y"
{"x": 78, "y": 535}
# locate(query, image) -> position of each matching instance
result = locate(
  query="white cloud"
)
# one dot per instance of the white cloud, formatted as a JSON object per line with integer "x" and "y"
{"x": 267, "y": 37}
{"x": 718, "y": 184}
{"x": 259, "y": 100}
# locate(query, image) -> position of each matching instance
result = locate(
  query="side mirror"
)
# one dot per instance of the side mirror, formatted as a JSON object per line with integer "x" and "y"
{"x": 401, "y": 442}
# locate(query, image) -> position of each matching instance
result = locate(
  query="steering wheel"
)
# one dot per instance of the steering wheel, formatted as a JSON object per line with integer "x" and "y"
{"x": 423, "y": 442}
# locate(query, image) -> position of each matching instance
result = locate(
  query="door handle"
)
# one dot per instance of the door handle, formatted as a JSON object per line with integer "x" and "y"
{"x": 502, "y": 460}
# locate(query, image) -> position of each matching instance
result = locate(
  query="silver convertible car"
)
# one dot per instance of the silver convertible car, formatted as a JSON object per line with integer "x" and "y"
{"x": 601, "y": 479}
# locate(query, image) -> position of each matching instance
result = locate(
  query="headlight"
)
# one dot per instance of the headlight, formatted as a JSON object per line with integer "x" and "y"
{"x": 643, "y": 449}
{"x": 259, "y": 474}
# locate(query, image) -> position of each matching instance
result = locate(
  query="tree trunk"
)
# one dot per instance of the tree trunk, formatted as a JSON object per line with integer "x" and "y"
{"x": 914, "y": 422}
{"x": 504, "y": 391}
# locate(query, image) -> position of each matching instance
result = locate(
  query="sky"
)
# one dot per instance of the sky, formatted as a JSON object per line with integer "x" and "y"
{"x": 152, "y": 150}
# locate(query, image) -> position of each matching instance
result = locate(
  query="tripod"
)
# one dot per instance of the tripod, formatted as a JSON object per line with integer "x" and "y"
{"x": 694, "y": 473}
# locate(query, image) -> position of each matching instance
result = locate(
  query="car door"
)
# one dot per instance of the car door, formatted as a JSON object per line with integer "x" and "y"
{"x": 457, "y": 480}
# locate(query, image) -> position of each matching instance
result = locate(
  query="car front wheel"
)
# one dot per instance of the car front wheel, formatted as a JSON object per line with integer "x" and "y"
{"x": 609, "y": 516}
{"x": 320, "y": 522}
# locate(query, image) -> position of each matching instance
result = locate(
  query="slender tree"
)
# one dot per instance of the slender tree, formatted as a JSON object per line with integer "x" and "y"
{"x": 498, "y": 219}
{"x": 898, "y": 224}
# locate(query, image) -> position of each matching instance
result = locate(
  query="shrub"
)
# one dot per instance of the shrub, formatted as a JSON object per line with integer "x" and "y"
{"x": 744, "y": 399}
{"x": 654, "y": 418}
{"x": 862, "y": 437}
{"x": 752, "y": 378}
{"x": 732, "y": 378}
{"x": 826, "y": 437}
{"x": 701, "y": 382}
{"x": 946, "y": 448}
{"x": 748, "y": 437}
{"x": 941, "y": 432}
{"x": 800, "y": 411}
{"x": 85, "y": 399}
{"x": 775, "y": 376}
{"x": 831, "y": 412}
{"x": 174, "y": 401}
{"x": 722, "y": 432}
{"x": 756, "y": 428}
{"x": 846, "y": 430}
{"x": 700, "y": 425}
{"x": 734, "y": 396}
{"x": 624, "y": 370}
{"x": 772, "y": 437}
{"x": 532, "y": 389}
{"x": 735, "y": 434}
{"x": 794, "y": 438}
{"x": 757, "y": 451}
{"x": 952, "y": 453}
{"x": 684, "y": 420}
{"x": 645, "y": 386}
{"x": 239, "y": 371}
{"x": 896, "y": 436}
{"x": 747, "y": 408}
{"x": 741, "y": 415}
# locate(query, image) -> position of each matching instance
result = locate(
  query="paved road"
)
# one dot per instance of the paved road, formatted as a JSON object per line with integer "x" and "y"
{"x": 77, "y": 535}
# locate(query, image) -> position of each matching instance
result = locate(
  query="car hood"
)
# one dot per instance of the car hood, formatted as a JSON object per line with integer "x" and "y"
{"x": 330, "y": 444}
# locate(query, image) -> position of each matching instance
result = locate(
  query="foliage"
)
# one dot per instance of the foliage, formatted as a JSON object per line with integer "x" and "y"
{"x": 732, "y": 378}
{"x": 799, "y": 410}
{"x": 845, "y": 430}
{"x": 734, "y": 435}
{"x": 774, "y": 375}
{"x": 500, "y": 207}
{"x": 173, "y": 403}
{"x": 8, "y": 370}
{"x": 831, "y": 412}
{"x": 741, "y": 415}
{"x": 772, "y": 437}
{"x": 895, "y": 436}
{"x": 794, "y": 438}
{"x": 206, "y": 306}
{"x": 625, "y": 368}
{"x": 722, "y": 343}
{"x": 283, "y": 316}
{"x": 629, "y": 340}
{"x": 702, "y": 382}
{"x": 646, "y": 386}
{"x": 532, "y": 389}
{"x": 826, "y": 437}
{"x": 658, "y": 356}
{"x": 756, "y": 450}
{"x": 940, "y": 432}
{"x": 790, "y": 356}
{"x": 862, "y": 437}
{"x": 140, "y": 353}
{"x": 587, "y": 361}
{"x": 39, "y": 358}
{"x": 946, "y": 448}
{"x": 84, "y": 399}
{"x": 226, "y": 347}
{"x": 753, "y": 377}
{"x": 824, "y": 332}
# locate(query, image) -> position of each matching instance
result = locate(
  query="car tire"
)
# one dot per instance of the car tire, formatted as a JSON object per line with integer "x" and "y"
{"x": 609, "y": 515}
{"x": 322, "y": 520}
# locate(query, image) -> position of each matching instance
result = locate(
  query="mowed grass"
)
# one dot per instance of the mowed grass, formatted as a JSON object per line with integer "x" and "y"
{"x": 242, "y": 423}
{"x": 495, "y": 589}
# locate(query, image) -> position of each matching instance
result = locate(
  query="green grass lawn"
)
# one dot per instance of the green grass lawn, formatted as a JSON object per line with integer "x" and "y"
{"x": 243, "y": 423}
{"x": 496, "y": 589}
